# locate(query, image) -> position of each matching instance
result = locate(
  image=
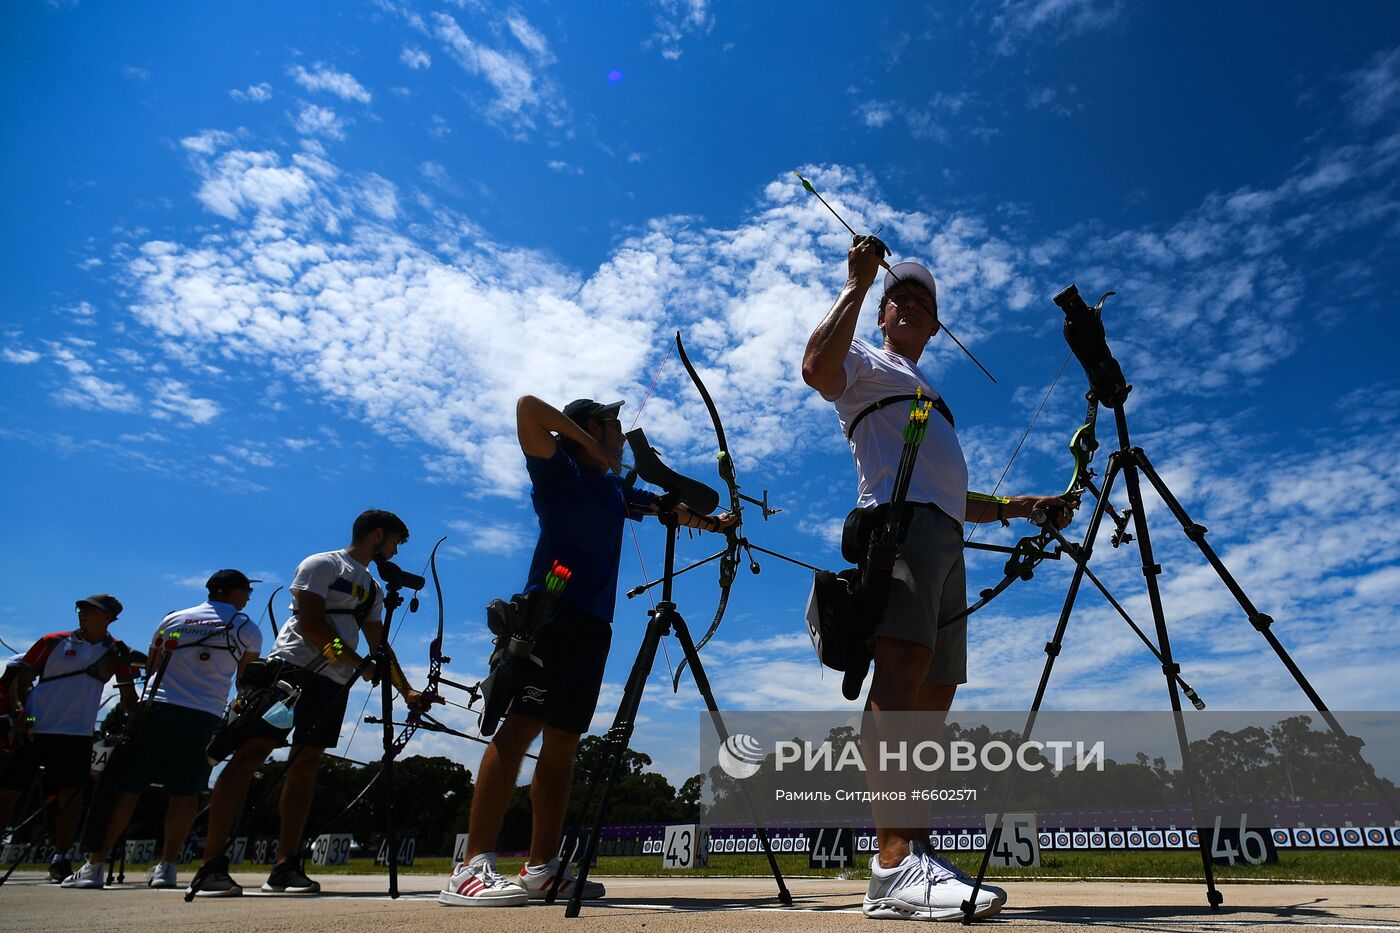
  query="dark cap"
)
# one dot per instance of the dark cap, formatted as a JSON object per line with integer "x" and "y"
{"x": 103, "y": 601}
{"x": 582, "y": 410}
{"x": 229, "y": 580}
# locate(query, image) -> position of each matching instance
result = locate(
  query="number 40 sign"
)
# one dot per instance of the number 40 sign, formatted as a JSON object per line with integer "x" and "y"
{"x": 1019, "y": 845}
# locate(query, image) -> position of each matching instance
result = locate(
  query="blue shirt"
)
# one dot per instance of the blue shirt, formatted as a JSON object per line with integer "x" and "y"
{"x": 581, "y": 510}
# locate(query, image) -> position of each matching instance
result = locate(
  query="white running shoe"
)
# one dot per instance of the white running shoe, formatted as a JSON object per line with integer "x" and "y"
{"x": 998, "y": 894}
{"x": 162, "y": 875}
{"x": 478, "y": 884}
{"x": 536, "y": 880}
{"x": 921, "y": 888}
{"x": 91, "y": 875}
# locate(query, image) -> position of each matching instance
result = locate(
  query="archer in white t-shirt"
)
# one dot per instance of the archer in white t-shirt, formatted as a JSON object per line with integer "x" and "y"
{"x": 918, "y": 665}
{"x": 335, "y": 600}
{"x": 202, "y": 650}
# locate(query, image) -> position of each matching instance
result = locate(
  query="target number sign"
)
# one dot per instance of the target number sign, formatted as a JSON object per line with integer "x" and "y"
{"x": 684, "y": 846}
{"x": 830, "y": 848}
{"x": 1019, "y": 844}
{"x": 331, "y": 849}
{"x": 1234, "y": 845}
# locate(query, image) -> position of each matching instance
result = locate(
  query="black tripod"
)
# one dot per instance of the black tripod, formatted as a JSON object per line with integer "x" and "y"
{"x": 393, "y": 599}
{"x": 1085, "y": 334}
{"x": 664, "y": 619}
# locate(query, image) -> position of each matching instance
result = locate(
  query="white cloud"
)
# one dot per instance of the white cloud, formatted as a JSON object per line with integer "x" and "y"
{"x": 415, "y": 58}
{"x": 135, "y": 73}
{"x": 494, "y": 538}
{"x": 241, "y": 180}
{"x": 207, "y": 142}
{"x": 1375, "y": 89}
{"x": 677, "y": 19}
{"x": 874, "y": 114}
{"x": 322, "y": 78}
{"x": 1018, "y": 21}
{"x": 924, "y": 120}
{"x": 85, "y": 388}
{"x": 557, "y": 165}
{"x": 304, "y": 244}
{"x": 827, "y": 530}
{"x": 172, "y": 399}
{"x": 529, "y": 38}
{"x": 314, "y": 120}
{"x": 20, "y": 357}
{"x": 1059, "y": 101}
{"x": 256, "y": 93}
{"x": 521, "y": 89}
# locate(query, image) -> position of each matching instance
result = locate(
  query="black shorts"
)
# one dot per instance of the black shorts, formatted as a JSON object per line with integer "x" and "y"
{"x": 66, "y": 760}
{"x": 573, "y": 649}
{"x": 318, "y": 711}
{"x": 170, "y": 751}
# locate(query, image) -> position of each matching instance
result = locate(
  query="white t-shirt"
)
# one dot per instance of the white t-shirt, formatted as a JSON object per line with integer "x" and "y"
{"x": 344, "y": 583}
{"x": 213, "y": 638}
{"x": 940, "y": 472}
{"x": 65, "y": 700}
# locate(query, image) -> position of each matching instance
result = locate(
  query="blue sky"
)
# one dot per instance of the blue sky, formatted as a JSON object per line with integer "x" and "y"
{"x": 271, "y": 266}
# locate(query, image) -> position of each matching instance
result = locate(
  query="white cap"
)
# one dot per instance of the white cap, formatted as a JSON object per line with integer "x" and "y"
{"x": 913, "y": 271}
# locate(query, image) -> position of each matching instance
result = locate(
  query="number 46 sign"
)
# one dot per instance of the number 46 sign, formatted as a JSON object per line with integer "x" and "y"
{"x": 1019, "y": 845}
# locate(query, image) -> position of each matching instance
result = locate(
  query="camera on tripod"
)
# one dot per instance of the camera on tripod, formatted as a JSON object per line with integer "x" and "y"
{"x": 1085, "y": 335}
{"x": 395, "y": 576}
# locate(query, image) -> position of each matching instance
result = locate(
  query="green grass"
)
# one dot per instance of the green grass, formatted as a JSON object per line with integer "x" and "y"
{"x": 1338, "y": 866}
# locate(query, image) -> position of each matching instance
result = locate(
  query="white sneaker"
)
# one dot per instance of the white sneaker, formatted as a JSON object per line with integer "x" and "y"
{"x": 478, "y": 884}
{"x": 998, "y": 894}
{"x": 921, "y": 888}
{"x": 536, "y": 880}
{"x": 162, "y": 875}
{"x": 89, "y": 876}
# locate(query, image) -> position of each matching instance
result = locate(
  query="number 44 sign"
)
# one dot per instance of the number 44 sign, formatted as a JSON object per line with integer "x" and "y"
{"x": 1019, "y": 845}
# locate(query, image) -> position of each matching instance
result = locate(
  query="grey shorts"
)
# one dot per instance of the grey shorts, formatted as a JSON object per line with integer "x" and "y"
{"x": 930, "y": 583}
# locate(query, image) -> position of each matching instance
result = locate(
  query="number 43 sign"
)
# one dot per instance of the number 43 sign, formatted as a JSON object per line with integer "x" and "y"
{"x": 685, "y": 846}
{"x": 1019, "y": 845}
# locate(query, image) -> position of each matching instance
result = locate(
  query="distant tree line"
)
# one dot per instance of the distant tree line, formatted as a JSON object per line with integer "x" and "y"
{"x": 434, "y": 798}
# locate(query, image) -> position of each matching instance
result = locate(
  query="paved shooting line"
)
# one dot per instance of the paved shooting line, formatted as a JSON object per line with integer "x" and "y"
{"x": 681, "y": 905}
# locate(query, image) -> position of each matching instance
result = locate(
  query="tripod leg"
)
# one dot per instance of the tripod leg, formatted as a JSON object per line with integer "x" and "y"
{"x": 1069, "y": 549}
{"x": 619, "y": 736}
{"x": 636, "y": 683}
{"x": 702, "y": 683}
{"x": 1052, "y": 651}
{"x": 1262, "y": 623}
{"x": 1150, "y": 570}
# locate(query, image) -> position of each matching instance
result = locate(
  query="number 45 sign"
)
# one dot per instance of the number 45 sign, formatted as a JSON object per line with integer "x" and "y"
{"x": 1019, "y": 845}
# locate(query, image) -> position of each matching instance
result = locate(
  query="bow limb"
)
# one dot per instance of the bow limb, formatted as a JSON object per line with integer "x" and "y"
{"x": 729, "y": 563}
{"x": 272, "y": 616}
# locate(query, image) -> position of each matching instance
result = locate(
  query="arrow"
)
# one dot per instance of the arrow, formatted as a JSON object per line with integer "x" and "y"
{"x": 808, "y": 185}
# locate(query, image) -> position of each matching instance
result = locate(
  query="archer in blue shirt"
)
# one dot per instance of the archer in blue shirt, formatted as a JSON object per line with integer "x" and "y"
{"x": 573, "y": 457}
